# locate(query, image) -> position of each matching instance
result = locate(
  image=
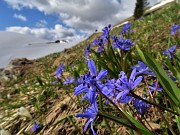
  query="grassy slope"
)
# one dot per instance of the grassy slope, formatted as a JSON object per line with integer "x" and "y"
{"x": 49, "y": 103}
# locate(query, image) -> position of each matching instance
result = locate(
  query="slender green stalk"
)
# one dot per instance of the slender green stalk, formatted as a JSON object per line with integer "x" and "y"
{"x": 115, "y": 120}
{"x": 75, "y": 126}
{"x": 120, "y": 110}
{"x": 148, "y": 123}
{"x": 167, "y": 123}
{"x": 102, "y": 110}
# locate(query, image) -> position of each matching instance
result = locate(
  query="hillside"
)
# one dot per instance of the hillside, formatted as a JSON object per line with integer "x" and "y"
{"x": 54, "y": 105}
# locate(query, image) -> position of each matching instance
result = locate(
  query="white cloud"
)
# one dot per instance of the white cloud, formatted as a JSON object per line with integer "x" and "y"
{"x": 20, "y": 17}
{"x": 58, "y": 32}
{"x": 83, "y": 15}
{"x": 41, "y": 23}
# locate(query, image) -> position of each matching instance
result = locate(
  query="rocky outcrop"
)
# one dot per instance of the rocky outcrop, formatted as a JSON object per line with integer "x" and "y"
{"x": 16, "y": 67}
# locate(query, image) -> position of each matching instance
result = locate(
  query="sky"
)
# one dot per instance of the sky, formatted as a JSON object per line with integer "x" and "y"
{"x": 62, "y": 19}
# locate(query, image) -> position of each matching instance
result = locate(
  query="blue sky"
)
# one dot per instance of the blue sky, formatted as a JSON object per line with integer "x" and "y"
{"x": 33, "y": 16}
{"x": 62, "y": 19}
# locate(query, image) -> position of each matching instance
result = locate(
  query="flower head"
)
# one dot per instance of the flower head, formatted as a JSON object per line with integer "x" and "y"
{"x": 141, "y": 106}
{"x": 174, "y": 29}
{"x": 132, "y": 82}
{"x": 125, "y": 28}
{"x": 91, "y": 114}
{"x": 105, "y": 32}
{"x": 95, "y": 42}
{"x": 123, "y": 44}
{"x": 170, "y": 52}
{"x": 103, "y": 39}
{"x": 171, "y": 76}
{"x": 35, "y": 127}
{"x": 59, "y": 70}
{"x": 153, "y": 87}
{"x": 126, "y": 86}
{"x": 143, "y": 69}
{"x": 89, "y": 82}
{"x": 100, "y": 42}
{"x": 87, "y": 51}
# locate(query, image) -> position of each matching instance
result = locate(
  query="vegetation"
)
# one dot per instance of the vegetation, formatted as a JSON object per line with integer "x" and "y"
{"x": 139, "y": 8}
{"x": 128, "y": 78}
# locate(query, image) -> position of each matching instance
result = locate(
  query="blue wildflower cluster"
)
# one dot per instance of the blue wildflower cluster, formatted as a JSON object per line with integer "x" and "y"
{"x": 118, "y": 90}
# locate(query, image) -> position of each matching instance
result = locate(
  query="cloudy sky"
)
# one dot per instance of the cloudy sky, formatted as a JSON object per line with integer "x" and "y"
{"x": 62, "y": 19}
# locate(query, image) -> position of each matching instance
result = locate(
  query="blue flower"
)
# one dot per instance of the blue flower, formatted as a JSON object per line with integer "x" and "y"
{"x": 87, "y": 51}
{"x": 105, "y": 32}
{"x": 59, "y": 71}
{"x": 109, "y": 89}
{"x": 54, "y": 82}
{"x": 95, "y": 42}
{"x": 173, "y": 78}
{"x": 125, "y": 28}
{"x": 123, "y": 44}
{"x": 89, "y": 82}
{"x": 100, "y": 42}
{"x": 170, "y": 52}
{"x": 126, "y": 86}
{"x": 69, "y": 80}
{"x": 141, "y": 106}
{"x": 174, "y": 29}
{"x": 103, "y": 39}
{"x": 153, "y": 87}
{"x": 132, "y": 82}
{"x": 91, "y": 114}
{"x": 35, "y": 127}
{"x": 143, "y": 69}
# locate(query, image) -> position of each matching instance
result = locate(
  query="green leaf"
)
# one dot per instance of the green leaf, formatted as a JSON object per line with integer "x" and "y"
{"x": 61, "y": 120}
{"x": 119, "y": 120}
{"x": 169, "y": 86}
{"x": 138, "y": 125}
{"x": 178, "y": 119}
{"x": 126, "y": 123}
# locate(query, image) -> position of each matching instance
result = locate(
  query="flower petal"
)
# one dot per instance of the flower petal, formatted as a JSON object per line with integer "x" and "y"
{"x": 101, "y": 74}
{"x": 172, "y": 48}
{"x": 86, "y": 115}
{"x": 92, "y": 67}
{"x": 87, "y": 124}
{"x": 136, "y": 82}
{"x": 133, "y": 75}
{"x": 79, "y": 89}
{"x": 94, "y": 133}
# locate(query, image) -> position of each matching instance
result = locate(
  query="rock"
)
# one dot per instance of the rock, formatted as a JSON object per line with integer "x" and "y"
{"x": 57, "y": 41}
{"x": 16, "y": 67}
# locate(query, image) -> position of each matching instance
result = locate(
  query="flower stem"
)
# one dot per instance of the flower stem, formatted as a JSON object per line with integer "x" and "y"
{"x": 121, "y": 111}
{"x": 115, "y": 120}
